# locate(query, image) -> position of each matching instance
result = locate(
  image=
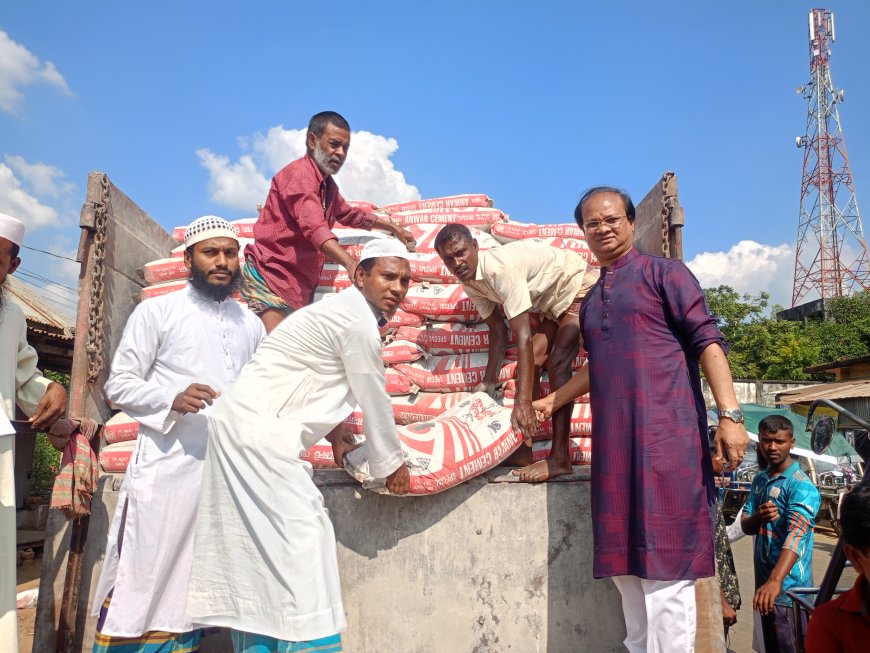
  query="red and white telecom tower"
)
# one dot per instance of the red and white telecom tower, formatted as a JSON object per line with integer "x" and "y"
{"x": 831, "y": 258}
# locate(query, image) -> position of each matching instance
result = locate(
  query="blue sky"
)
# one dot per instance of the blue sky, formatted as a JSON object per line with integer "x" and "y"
{"x": 191, "y": 107}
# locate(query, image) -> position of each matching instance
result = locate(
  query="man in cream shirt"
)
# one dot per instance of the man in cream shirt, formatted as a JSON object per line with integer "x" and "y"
{"x": 519, "y": 277}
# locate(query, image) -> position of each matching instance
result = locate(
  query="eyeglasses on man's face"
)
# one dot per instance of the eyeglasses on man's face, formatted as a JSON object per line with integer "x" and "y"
{"x": 612, "y": 221}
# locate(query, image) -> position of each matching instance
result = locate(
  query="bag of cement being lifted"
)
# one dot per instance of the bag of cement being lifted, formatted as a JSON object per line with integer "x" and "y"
{"x": 463, "y": 442}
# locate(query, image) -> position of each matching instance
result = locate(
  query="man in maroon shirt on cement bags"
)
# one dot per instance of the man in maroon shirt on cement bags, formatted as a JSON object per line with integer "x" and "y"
{"x": 293, "y": 235}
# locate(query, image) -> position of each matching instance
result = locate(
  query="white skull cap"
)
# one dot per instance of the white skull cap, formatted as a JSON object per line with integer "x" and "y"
{"x": 379, "y": 247}
{"x": 209, "y": 226}
{"x": 12, "y": 229}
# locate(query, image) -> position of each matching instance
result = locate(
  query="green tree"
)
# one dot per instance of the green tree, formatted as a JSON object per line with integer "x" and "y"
{"x": 763, "y": 347}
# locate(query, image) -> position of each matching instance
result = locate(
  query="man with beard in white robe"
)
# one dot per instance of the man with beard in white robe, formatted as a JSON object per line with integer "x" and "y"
{"x": 21, "y": 384}
{"x": 178, "y": 353}
{"x": 265, "y": 560}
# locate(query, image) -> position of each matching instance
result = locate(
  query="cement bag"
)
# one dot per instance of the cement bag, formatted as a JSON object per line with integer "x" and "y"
{"x": 425, "y": 406}
{"x": 577, "y": 246}
{"x": 451, "y": 202}
{"x": 442, "y": 302}
{"x": 429, "y": 267}
{"x": 506, "y": 232}
{"x": 447, "y": 337}
{"x": 114, "y": 458}
{"x": 581, "y": 422}
{"x": 425, "y": 235}
{"x": 403, "y": 318}
{"x": 353, "y": 423}
{"x": 161, "y": 289}
{"x": 458, "y": 373}
{"x": 353, "y": 240}
{"x": 245, "y": 227}
{"x": 319, "y": 455}
{"x": 398, "y": 383}
{"x": 510, "y": 389}
{"x": 482, "y": 218}
{"x": 363, "y": 205}
{"x": 579, "y": 450}
{"x": 120, "y": 427}
{"x": 401, "y": 351}
{"x": 165, "y": 269}
{"x": 465, "y": 441}
{"x": 333, "y": 278}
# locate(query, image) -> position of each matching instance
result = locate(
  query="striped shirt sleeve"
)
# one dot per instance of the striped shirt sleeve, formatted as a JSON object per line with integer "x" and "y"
{"x": 803, "y": 504}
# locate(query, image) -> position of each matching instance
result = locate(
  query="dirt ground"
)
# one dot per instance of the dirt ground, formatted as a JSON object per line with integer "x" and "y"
{"x": 740, "y": 638}
{"x": 28, "y": 578}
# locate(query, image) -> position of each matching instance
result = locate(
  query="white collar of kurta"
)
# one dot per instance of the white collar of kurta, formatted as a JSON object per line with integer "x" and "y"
{"x": 380, "y": 318}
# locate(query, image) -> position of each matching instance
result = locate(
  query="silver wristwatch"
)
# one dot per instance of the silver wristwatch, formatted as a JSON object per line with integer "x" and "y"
{"x": 735, "y": 415}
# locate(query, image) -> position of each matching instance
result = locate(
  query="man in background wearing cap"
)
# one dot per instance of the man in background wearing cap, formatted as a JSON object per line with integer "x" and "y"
{"x": 176, "y": 355}
{"x": 293, "y": 234}
{"x": 265, "y": 560}
{"x": 42, "y": 400}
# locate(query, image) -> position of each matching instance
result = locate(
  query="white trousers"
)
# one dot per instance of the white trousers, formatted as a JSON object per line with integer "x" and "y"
{"x": 660, "y": 615}
{"x": 8, "y": 611}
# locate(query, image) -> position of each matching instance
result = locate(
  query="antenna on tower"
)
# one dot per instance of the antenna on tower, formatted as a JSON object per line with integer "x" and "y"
{"x": 831, "y": 259}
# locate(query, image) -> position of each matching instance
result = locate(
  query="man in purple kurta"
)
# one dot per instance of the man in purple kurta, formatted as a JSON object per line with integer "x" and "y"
{"x": 646, "y": 327}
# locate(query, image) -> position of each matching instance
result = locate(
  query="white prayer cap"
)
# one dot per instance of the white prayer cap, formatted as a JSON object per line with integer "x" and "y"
{"x": 379, "y": 247}
{"x": 12, "y": 229}
{"x": 209, "y": 226}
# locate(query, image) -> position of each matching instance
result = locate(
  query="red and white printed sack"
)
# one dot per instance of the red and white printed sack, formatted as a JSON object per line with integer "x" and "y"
{"x": 120, "y": 427}
{"x": 457, "y": 373}
{"x": 441, "y": 302}
{"x": 506, "y": 232}
{"x": 463, "y": 442}
{"x": 451, "y": 202}
{"x": 425, "y": 406}
{"x": 482, "y": 218}
{"x": 444, "y": 338}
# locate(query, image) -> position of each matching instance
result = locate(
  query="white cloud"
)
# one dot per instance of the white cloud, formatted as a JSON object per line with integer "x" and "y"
{"x": 238, "y": 185}
{"x": 368, "y": 173}
{"x": 43, "y": 179}
{"x": 20, "y": 67}
{"x": 16, "y": 201}
{"x": 749, "y": 267}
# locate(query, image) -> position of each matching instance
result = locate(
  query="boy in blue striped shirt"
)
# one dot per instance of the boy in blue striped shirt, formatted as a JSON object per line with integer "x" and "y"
{"x": 780, "y": 512}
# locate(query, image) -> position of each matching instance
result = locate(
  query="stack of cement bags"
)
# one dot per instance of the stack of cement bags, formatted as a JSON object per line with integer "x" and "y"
{"x": 434, "y": 348}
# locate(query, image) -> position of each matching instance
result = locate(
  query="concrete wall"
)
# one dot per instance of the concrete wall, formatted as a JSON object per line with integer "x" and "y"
{"x": 488, "y": 566}
{"x": 755, "y": 391}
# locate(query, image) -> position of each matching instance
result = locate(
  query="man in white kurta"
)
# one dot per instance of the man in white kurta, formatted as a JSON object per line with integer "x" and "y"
{"x": 22, "y": 384}
{"x": 177, "y": 354}
{"x": 265, "y": 558}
